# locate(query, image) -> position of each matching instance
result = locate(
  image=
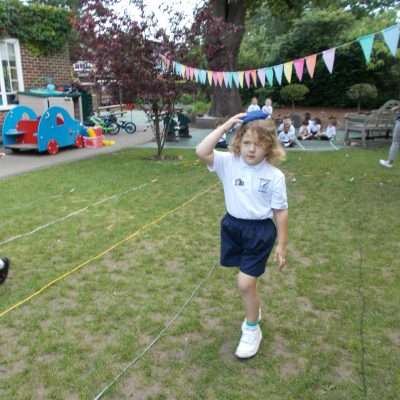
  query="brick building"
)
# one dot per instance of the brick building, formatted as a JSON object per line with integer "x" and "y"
{"x": 20, "y": 70}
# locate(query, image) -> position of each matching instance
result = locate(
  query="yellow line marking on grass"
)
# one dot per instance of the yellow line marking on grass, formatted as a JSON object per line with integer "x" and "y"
{"x": 103, "y": 253}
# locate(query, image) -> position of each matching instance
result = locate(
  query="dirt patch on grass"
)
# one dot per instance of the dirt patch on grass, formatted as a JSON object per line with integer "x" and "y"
{"x": 280, "y": 347}
{"x": 133, "y": 388}
{"x": 292, "y": 368}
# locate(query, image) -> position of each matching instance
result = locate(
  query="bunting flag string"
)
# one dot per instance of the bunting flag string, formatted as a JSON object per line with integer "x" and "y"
{"x": 265, "y": 75}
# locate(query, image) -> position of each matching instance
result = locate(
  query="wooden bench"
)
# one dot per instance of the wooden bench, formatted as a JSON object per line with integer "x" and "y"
{"x": 116, "y": 109}
{"x": 378, "y": 123}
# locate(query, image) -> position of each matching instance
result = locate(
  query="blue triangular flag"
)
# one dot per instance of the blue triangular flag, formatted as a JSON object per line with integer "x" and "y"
{"x": 366, "y": 43}
{"x": 236, "y": 78}
{"x": 202, "y": 76}
{"x": 278, "y": 72}
{"x": 391, "y": 37}
{"x": 230, "y": 77}
{"x": 178, "y": 68}
{"x": 270, "y": 75}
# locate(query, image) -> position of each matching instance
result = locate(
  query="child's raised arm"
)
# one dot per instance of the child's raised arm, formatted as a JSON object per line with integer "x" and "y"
{"x": 205, "y": 149}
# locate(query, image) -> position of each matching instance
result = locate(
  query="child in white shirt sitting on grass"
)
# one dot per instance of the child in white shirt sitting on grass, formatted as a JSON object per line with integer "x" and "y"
{"x": 330, "y": 133}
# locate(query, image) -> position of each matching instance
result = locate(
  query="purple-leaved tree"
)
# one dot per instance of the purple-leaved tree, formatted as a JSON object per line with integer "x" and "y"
{"x": 127, "y": 51}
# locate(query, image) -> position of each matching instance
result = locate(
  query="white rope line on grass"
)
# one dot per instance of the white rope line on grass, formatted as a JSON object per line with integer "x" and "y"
{"x": 298, "y": 142}
{"x": 336, "y": 148}
{"x": 39, "y": 228}
{"x": 141, "y": 354}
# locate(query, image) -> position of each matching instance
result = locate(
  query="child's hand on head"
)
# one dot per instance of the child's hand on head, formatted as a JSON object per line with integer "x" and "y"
{"x": 236, "y": 119}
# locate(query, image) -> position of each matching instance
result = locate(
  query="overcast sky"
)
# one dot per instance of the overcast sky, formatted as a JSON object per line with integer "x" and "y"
{"x": 153, "y": 5}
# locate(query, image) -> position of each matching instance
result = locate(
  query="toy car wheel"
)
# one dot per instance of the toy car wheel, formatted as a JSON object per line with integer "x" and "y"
{"x": 52, "y": 147}
{"x": 79, "y": 141}
{"x": 130, "y": 127}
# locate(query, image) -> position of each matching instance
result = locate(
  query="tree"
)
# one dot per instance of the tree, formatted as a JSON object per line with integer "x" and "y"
{"x": 127, "y": 52}
{"x": 294, "y": 92}
{"x": 361, "y": 92}
{"x": 221, "y": 24}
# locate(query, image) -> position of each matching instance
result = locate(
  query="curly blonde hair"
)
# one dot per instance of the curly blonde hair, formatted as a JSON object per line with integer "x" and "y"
{"x": 265, "y": 130}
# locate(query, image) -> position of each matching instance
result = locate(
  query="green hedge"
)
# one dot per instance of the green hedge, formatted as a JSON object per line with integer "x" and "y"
{"x": 42, "y": 29}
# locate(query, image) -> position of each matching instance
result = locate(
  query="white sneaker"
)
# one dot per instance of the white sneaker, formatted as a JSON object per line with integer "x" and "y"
{"x": 385, "y": 164}
{"x": 258, "y": 320}
{"x": 249, "y": 342}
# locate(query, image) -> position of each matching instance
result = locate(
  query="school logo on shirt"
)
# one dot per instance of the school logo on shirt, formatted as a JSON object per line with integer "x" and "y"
{"x": 238, "y": 182}
{"x": 263, "y": 186}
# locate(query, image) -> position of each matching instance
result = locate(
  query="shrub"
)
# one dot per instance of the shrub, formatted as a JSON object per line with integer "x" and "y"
{"x": 294, "y": 92}
{"x": 361, "y": 92}
{"x": 201, "y": 107}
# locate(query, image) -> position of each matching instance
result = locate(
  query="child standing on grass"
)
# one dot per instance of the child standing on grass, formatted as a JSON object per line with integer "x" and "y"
{"x": 255, "y": 191}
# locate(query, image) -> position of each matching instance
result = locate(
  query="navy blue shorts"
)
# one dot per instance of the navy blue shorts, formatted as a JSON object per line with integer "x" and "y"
{"x": 246, "y": 243}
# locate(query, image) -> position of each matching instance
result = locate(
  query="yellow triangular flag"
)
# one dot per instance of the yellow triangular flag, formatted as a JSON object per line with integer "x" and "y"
{"x": 183, "y": 71}
{"x": 209, "y": 76}
{"x": 241, "y": 78}
{"x": 287, "y": 69}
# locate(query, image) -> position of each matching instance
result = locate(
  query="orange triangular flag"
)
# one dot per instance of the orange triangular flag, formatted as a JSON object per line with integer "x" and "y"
{"x": 220, "y": 77}
{"x": 253, "y": 74}
{"x": 310, "y": 62}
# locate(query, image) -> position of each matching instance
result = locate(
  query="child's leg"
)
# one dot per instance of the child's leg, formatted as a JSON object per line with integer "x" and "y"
{"x": 249, "y": 293}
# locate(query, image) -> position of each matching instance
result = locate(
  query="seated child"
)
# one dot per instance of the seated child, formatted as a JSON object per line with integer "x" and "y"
{"x": 330, "y": 133}
{"x": 314, "y": 127}
{"x": 287, "y": 121}
{"x": 254, "y": 105}
{"x": 222, "y": 140}
{"x": 286, "y": 135}
{"x": 303, "y": 131}
{"x": 267, "y": 109}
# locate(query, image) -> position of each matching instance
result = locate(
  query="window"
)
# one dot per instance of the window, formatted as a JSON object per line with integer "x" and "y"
{"x": 11, "y": 80}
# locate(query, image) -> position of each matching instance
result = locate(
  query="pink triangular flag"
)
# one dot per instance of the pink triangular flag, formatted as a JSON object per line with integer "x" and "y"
{"x": 188, "y": 73}
{"x": 220, "y": 77}
{"x": 329, "y": 58}
{"x": 215, "y": 78}
{"x": 310, "y": 62}
{"x": 247, "y": 76}
{"x": 299, "y": 67}
{"x": 191, "y": 72}
{"x": 261, "y": 76}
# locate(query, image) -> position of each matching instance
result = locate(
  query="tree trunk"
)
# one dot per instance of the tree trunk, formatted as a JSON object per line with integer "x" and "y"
{"x": 222, "y": 49}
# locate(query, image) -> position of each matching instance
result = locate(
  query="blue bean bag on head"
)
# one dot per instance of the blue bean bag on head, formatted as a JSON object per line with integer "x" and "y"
{"x": 253, "y": 115}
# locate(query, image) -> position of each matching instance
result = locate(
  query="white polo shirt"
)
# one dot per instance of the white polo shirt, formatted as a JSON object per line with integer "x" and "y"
{"x": 253, "y": 107}
{"x": 251, "y": 191}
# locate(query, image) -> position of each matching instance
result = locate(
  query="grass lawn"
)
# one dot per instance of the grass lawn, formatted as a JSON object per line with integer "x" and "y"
{"x": 330, "y": 320}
